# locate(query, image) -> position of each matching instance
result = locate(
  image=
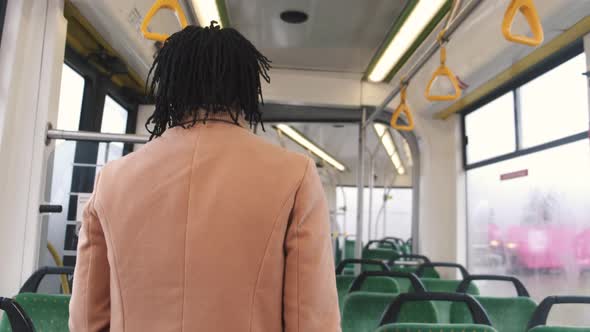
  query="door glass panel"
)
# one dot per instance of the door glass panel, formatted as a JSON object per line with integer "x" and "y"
{"x": 391, "y": 212}
{"x": 60, "y": 168}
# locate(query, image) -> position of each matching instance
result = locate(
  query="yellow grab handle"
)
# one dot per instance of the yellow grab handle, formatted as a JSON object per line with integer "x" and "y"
{"x": 528, "y": 9}
{"x": 402, "y": 108}
{"x": 443, "y": 70}
{"x": 159, "y": 4}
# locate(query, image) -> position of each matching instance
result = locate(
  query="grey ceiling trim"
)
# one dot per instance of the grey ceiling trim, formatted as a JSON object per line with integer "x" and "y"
{"x": 273, "y": 112}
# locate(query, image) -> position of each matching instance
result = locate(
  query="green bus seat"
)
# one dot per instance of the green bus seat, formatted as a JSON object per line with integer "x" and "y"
{"x": 409, "y": 263}
{"x": 343, "y": 283}
{"x": 345, "y": 274}
{"x": 507, "y": 314}
{"x": 391, "y": 320}
{"x": 49, "y": 313}
{"x": 381, "y": 285}
{"x": 414, "y": 327}
{"x": 349, "y": 249}
{"x": 427, "y": 269}
{"x": 538, "y": 322}
{"x": 559, "y": 329}
{"x": 385, "y": 282}
{"x": 346, "y": 264}
{"x": 380, "y": 250}
{"x": 363, "y": 310}
{"x": 445, "y": 286}
{"x": 15, "y": 317}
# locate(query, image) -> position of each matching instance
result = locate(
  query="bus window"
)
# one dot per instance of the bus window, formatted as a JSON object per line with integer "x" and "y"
{"x": 555, "y": 104}
{"x": 529, "y": 217}
{"x": 490, "y": 130}
{"x": 70, "y": 99}
{"x": 114, "y": 120}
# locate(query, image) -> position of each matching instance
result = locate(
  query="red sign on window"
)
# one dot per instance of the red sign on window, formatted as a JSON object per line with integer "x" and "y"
{"x": 514, "y": 175}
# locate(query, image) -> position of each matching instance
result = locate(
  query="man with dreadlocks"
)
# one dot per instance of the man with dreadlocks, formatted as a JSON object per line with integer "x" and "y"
{"x": 207, "y": 227}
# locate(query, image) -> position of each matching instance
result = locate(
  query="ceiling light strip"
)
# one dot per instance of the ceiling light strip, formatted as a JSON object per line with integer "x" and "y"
{"x": 416, "y": 22}
{"x": 387, "y": 141}
{"x": 298, "y": 138}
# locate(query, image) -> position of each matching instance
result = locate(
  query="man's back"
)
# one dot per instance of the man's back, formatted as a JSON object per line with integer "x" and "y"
{"x": 207, "y": 228}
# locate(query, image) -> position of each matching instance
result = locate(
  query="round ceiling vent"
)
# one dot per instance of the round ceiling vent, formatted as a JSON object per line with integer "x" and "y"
{"x": 294, "y": 16}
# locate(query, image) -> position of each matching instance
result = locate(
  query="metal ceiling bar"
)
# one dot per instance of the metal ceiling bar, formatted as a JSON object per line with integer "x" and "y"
{"x": 452, "y": 26}
{"x": 90, "y": 136}
{"x": 360, "y": 177}
{"x": 453, "y": 14}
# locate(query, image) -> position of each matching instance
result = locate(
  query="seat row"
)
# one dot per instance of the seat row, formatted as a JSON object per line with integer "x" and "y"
{"x": 387, "y": 298}
{"x": 375, "y": 249}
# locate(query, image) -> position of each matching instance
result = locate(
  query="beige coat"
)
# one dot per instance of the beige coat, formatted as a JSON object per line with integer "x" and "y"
{"x": 206, "y": 229}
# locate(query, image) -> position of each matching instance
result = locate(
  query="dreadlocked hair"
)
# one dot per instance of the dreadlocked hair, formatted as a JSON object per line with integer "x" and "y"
{"x": 203, "y": 71}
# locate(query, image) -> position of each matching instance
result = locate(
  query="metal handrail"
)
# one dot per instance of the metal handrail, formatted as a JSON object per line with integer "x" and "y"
{"x": 89, "y": 136}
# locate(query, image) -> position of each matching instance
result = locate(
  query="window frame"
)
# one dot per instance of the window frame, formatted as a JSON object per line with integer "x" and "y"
{"x": 96, "y": 88}
{"x": 3, "y": 5}
{"x": 552, "y": 62}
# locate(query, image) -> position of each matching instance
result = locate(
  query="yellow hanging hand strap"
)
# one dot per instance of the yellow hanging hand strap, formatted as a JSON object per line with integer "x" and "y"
{"x": 162, "y": 4}
{"x": 441, "y": 71}
{"x": 405, "y": 109}
{"x": 529, "y": 11}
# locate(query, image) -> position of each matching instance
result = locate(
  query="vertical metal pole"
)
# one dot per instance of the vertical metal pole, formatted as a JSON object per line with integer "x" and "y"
{"x": 371, "y": 187}
{"x": 385, "y": 200}
{"x": 587, "y": 52}
{"x": 360, "y": 176}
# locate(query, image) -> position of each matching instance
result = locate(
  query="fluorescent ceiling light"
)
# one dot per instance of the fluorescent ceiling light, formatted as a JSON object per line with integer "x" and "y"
{"x": 387, "y": 142}
{"x": 415, "y": 23}
{"x": 207, "y": 11}
{"x": 310, "y": 146}
{"x": 402, "y": 144}
{"x": 408, "y": 153}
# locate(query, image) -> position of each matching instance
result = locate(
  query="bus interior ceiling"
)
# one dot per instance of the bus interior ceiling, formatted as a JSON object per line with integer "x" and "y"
{"x": 423, "y": 181}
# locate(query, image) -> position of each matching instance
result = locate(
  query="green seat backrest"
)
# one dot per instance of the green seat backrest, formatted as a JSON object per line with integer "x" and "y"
{"x": 374, "y": 284}
{"x": 380, "y": 285}
{"x": 506, "y": 314}
{"x": 407, "y": 248}
{"x": 349, "y": 249}
{"x": 414, "y": 327}
{"x": 404, "y": 283}
{"x": 446, "y": 286}
{"x": 49, "y": 313}
{"x": 343, "y": 283}
{"x": 559, "y": 329}
{"x": 363, "y": 310}
{"x": 431, "y": 273}
{"x": 378, "y": 254}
